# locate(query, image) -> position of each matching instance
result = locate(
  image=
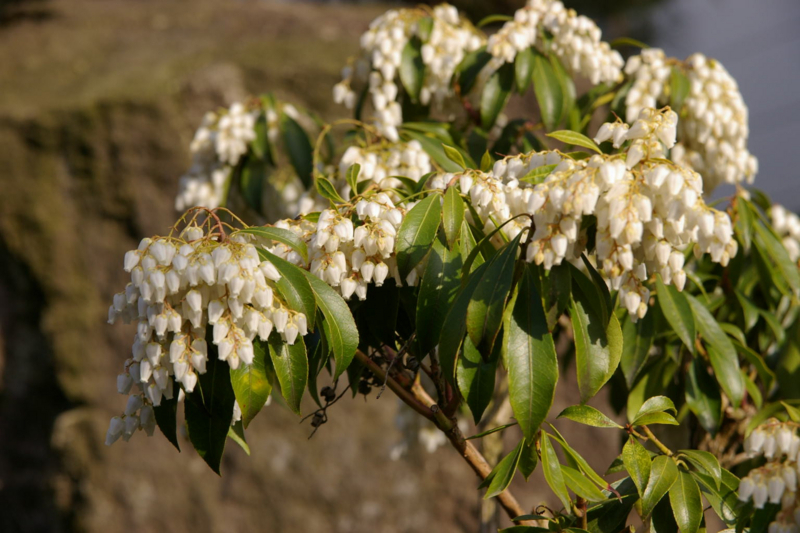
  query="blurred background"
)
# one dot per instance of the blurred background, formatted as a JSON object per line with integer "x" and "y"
{"x": 98, "y": 102}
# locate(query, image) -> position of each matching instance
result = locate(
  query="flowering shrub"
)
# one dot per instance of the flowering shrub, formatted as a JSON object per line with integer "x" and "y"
{"x": 441, "y": 250}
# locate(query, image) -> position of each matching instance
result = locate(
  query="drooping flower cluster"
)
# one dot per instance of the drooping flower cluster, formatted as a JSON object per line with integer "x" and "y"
{"x": 179, "y": 287}
{"x": 714, "y": 128}
{"x": 575, "y": 40}
{"x": 380, "y": 163}
{"x": 445, "y": 39}
{"x": 649, "y": 211}
{"x": 776, "y": 481}
{"x": 349, "y": 256}
{"x": 787, "y": 225}
{"x": 217, "y": 146}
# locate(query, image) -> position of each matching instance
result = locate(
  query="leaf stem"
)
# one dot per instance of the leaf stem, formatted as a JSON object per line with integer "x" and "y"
{"x": 660, "y": 445}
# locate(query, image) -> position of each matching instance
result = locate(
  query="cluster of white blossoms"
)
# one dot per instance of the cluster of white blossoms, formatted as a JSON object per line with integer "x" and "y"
{"x": 179, "y": 287}
{"x": 216, "y": 148}
{"x": 350, "y": 256}
{"x": 649, "y": 211}
{"x": 575, "y": 40}
{"x": 714, "y": 125}
{"x": 776, "y": 481}
{"x": 380, "y": 163}
{"x": 446, "y": 38}
{"x": 787, "y": 225}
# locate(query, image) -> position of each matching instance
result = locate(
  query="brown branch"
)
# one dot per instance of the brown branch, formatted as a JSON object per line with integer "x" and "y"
{"x": 419, "y": 400}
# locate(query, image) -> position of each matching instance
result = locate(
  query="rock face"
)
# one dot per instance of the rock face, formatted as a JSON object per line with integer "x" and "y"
{"x": 90, "y": 153}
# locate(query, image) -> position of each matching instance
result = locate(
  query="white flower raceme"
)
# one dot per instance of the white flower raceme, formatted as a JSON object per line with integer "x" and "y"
{"x": 649, "y": 211}
{"x": 787, "y": 225}
{"x": 179, "y": 288}
{"x": 217, "y": 146}
{"x": 712, "y": 137}
{"x": 575, "y": 40}
{"x": 349, "y": 256}
{"x": 776, "y": 481}
{"x": 445, "y": 38}
{"x": 379, "y": 163}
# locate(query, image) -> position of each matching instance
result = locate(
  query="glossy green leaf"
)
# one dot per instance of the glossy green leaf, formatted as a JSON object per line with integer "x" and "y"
{"x": 723, "y": 497}
{"x": 687, "y": 506}
{"x": 326, "y": 189}
{"x": 556, "y": 289}
{"x": 251, "y": 385}
{"x": 589, "y": 416}
{"x": 530, "y": 357}
{"x": 547, "y": 89}
{"x": 677, "y": 311}
{"x": 656, "y": 404}
{"x": 339, "y": 326}
{"x": 293, "y": 286}
{"x": 452, "y": 215}
{"x": 291, "y": 367}
{"x": 637, "y": 461}
{"x": 529, "y": 459}
{"x": 437, "y": 292}
{"x": 721, "y": 351}
{"x": 495, "y": 95}
{"x": 251, "y": 181}
{"x": 574, "y": 138}
{"x": 490, "y": 431}
{"x": 552, "y": 471}
{"x": 454, "y": 156}
{"x": 576, "y": 459}
{"x": 637, "y": 339}
{"x": 580, "y": 485}
{"x": 538, "y": 174}
{"x": 475, "y": 377}
{"x": 656, "y": 418}
{"x": 469, "y": 68}
{"x": 705, "y": 462}
{"x": 283, "y": 236}
{"x": 773, "y": 248}
{"x": 485, "y": 309}
{"x": 166, "y": 418}
{"x": 523, "y": 69}
{"x": 352, "y": 179}
{"x": 703, "y": 396}
{"x": 416, "y": 233}
{"x": 209, "y": 410}
{"x": 663, "y": 474}
{"x": 298, "y": 146}
{"x": 598, "y": 348}
{"x": 593, "y": 288}
{"x": 504, "y": 472}
{"x": 412, "y": 68}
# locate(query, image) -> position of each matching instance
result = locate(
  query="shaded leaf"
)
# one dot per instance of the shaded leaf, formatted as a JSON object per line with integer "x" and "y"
{"x": 495, "y": 95}
{"x": 416, "y": 233}
{"x": 677, "y": 311}
{"x": 503, "y": 473}
{"x": 251, "y": 385}
{"x": 475, "y": 379}
{"x": 663, "y": 474}
{"x": 291, "y": 368}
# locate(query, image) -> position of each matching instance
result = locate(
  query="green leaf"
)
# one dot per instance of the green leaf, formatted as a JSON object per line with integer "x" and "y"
{"x": 251, "y": 182}
{"x": 523, "y": 69}
{"x": 236, "y": 434}
{"x": 705, "y": 462}
{"x": 723, "y": 499}
{"x": 547, "y": 89}
{"x": 637, "y": 339}
{"x": 568, "y": 110}
{"x": 476, "y": 379}
{"x": 793, "y": 412}
{"x": 166, "y": 418}
{"x": 678, "y": 89}
{"x": 575, "y": 139}
{"x": 703, "y": 397}
{"x": 298, "y": 146}
{"x": 764, "y": 371}
{"x": 575, "y": 459}
{"x": 662, "y": 520}
{"x": 454, "y": 156}
{"x": 416, "y": 233}
{"x": 251, "y": 385}
{"x": 774, "y": 325}
{"x": 340, "y": 329}
{"x": 326, "y": 189}
{"x": 485, "y": 309}
{"x": 503, "y": 473}
{"x": 352, "y": 179}
{"x": 293, "y": 286}
{"x": 469, "y": 68}
{"x": 424, "y": 28}
{"x": 209, "y": 410}
{"x": 490, "y": 431}
{"x": 529, "y": 355}
{"x": 485, "y": 21}
{"x": 656, "y": 418}
{"x": 581, "y": 486}
{"x": 412, "y": 69}
{"x": 687, "y": 505}
{"x": 663, "y": 474}
{"x": 637, "y": 462}
{"x": 538, "y": 174}
{"x": 721, "y": 352}
{"x": 283, "y": 236}
{"x": 529, "y": 459}
{"x": 677, "y": 311}
{"x": 437, "y": 291}
{"x": 260, "y": 145}
{"x": 598, "y": 348}
{"x": 589, "y": 416}
{"x": 487, "y": 162}
{"x": 749, "y": 310}
{"x": 556, "y": 288}
{"x": 552, "y": 471}
{"x": 452, "y": 215}
{"x": 291, "y": 367}
{"x": 656, "y": 404}
{"x": 495, "y": 95}
{"x": 433, "y": 147}
{"x": 595, "y": 286}
{"x": 772, "y": 247}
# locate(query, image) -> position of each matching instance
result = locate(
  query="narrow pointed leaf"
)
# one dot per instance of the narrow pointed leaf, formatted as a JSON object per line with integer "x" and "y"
{"x": 495, "y": 95}
{"x": 523, "y": 70}
{"x": 437, "y": 292}
{"x": 581, "y": 486}
{"x": 412, "y": 69}
{"x": 548, "y": 92}
{"x": 687, "y": 506}
{"x": 552, "y": 471}
{"x": 293, "y": 286}
{"x": 298, "y": 146}
{"x": 504, "y": 472}
{"x": 251, "y": 385}
{"x": 575, "y": 139}
{"x": 475, "y": 377}
{"x": 677, "y": 311}
{"x": 166, "y": 418}
{"x": 291, "y": 367}
{"x": 236, "y": 434}
{"x": 584, "y": 414}
{"x": 454, "y": 156}
{"x": 663, "y": 474}
{"x": 637, "y": 339}
{"x": 452, "y": 215}
{"x": 417, "y": 232}
{"x": 705, "y": 462}
{"x": 703, "y": 396}
{"x": 637, "y": 461}
{"x": 283, "y": 236}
